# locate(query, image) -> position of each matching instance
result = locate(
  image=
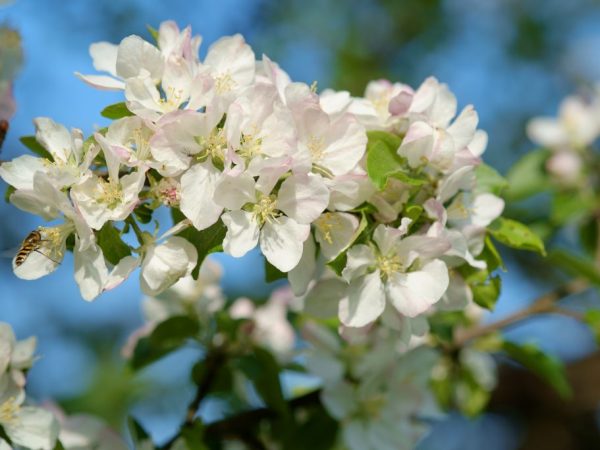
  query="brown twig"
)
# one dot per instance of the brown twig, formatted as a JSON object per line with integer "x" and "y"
{"x": 543, "y": 304}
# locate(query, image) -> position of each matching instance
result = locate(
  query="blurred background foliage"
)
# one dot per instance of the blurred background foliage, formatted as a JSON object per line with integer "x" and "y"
{"x": 512, "y": 59}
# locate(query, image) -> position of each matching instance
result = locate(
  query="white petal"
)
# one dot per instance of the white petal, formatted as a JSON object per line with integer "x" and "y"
{"x": 104, "y": 56}
{"x": 233, "y": 192}
{"x": 282, "y": 242}
{"x": 334, "y": 232}
{"x": 197, "y": 190}
{"x": 34, "y": 428}
{"x": 231, "y": 55}
{"x": 547, "y": 131}
{"x": 23, "y": 354}
{"x": 486, "y": 208}
{"x": 301, "y": 275}
{"x": 323, "y": 299}
{"x": 54, "y": 137}
{"x": 91, "y": 272}
{"x": 346, "y": 147}
{"x": 463, "y": 127}
{"x": 166, "y": 263}
{"x": 242, "y": 233}
{"x": 134, "y": 55}
{"x": 365, "y": 301}
{"x": 413, "y": 293}
{"x": 102, "y": 82}
{"x": 121, "y": 272}
{"x": 360, "y": 257}
{"x": 340, "y": 400}
{"x": 20, "y": 171}
{"x": 303, "y": 198}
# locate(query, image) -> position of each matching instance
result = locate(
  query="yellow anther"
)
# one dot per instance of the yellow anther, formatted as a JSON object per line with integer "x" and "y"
{"x": 265, "y": 209}
{"x": 316, "y": 146}
{"x": 224, "y": 83}
{"x": 8, "y": 411}
{"x": 389, "y": 264}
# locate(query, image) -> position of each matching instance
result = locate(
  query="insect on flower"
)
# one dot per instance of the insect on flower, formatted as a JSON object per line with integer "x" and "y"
{"x": 31, "y": 243}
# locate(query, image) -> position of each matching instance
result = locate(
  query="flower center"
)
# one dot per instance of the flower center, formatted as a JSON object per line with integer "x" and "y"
{"x": 168, "y": 192}
{"x": 224, "y": 83}
{"x": 141, "y": 144}
{"x": 172, "y": 98}
{"x": 372, "y": 406}
{"x": 8, "y": 411}
{"x": 109, "y": 194}
{"x": 327, "y": 223}
{"x": 250, "y": 146}
{"x": 213, "y": 145}
{"x": 389, "y": 264}
{"x": 265, "y": 210}
{"x": 316, "y": 146}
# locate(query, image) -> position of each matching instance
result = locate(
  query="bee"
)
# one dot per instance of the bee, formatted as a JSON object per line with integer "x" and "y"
{"x": 3, "y": 131}
{"x": 31, "y": 243}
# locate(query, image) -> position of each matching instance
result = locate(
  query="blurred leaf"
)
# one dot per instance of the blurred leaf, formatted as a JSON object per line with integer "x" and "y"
{"x": 575, "y": 265}
{"x": 489, "y": 180}
{"x": 116, "y": 111}
{"x": 571, "y": 207}
{"x": 9, "y": 191}
{"x": 490, "y": 255}
{"x": 193, "y": 435}
{"x": 588, "y": 235}
{"x": 545, "y": 366}
{"x": 486, "y": 293}
{"x": 528, "y": 176}
{"x": 168, "y": 336}
{"x": 153, "y": 32}
{"x": 113, "y": 247}
{"x": 471, "y": 397}
{"x": 516, "y": 235}
{"x": 443, "y": 324}
{"x": 317, "y": 431}
{"x": 262, "y": 370}
{"x": 592, "y": 319}
{"x": 272, "y": 273}
{"x": 206, "y": 241}
{"x": 139, "y": 436}
{"x": 32, "y": 144}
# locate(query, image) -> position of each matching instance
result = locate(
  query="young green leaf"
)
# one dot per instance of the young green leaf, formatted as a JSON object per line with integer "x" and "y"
{"x": 489, "y": 180}
{"x": 113, "y": 247}
{"x": 545, "y": 366}
{"x": 516, "y": 235}
{"x": 116, "y": 111}
{"x": 272, "y": 273}
{"x": 32, "y": 144}
{"x": 382, "y": 161}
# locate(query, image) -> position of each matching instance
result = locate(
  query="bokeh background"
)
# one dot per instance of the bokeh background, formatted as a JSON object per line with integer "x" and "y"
{"x": 512, "y": 59}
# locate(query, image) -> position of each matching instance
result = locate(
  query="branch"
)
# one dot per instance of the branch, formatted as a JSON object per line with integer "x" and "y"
{"x": 543, "y": 304}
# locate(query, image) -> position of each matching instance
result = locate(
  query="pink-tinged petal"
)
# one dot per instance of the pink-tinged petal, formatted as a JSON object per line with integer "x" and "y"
{"x": 198, "y": 186}
{"x": 365, "y": 301}
{"x": 463, "y": 128}
{"x": 101, "y": 82}
{"x": 104, "y": 57}
{"x": 281, "y": 241}
{"x": 417, "y": 145}
{"x": 400, "y": 103}
{"x": 303, "y": 198}
{"x": 414, "y": 293}
{"x": 242, "y": 233}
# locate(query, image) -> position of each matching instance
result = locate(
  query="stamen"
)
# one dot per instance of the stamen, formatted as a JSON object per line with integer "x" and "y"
{"x": 8, "y": 411}
{"x": 265, "y": 210}
{"x": 224, "y": 83}
{"x": 316, "y": 146}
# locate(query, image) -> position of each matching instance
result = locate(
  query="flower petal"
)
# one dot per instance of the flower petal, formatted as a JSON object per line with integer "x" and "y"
{"x": 197, "y": 190}
{"x": 365, "y": 301}
{"x": 281, "y": 242}
{"x": 242, "y": 233}
{"x": 303, "y": 197}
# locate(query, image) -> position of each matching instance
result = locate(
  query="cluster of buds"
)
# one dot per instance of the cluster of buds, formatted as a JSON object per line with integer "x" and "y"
{"x": 377, "y": 195}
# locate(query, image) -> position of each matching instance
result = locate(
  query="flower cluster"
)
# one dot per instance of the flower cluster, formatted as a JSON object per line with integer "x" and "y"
{"x": 568, "y": 137}
{"x": 380, "y": 192}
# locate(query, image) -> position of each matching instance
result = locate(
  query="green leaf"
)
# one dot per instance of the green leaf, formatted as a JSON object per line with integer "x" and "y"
{"x": 58, "y": 446}
{"x": 116, "y": 111}
{"x": 272, "y": 273}
{"x": 113, "y": 247}
{"x": 262, "y": 370}
{"x": 166, "y": 337}
{"x": 193, "y": 436}
{"x": 486, "y": 294}
{"x": 153, "y": 32}
{"x": 489, "y": 180}
{"x": 206, "y": 241}
{"x": 9, "y": 191}
{"x": 592, "y": 319}
{"x": 391, "y": 140}
{"x": 528, "y": 176}
{"x": 143, "y": 213}
{"x": 338, "y": 263}
{"x": 139, "y": 436}
{"x": 490, "y": 255}
{"x": 575, "y": 265}
{"x": 516, "y": 235}
{"x": 571, "y": 207}
{"x": 32, "y": 144}
{"x": 548, "y": 368}
{"x": 382, "y": 161}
